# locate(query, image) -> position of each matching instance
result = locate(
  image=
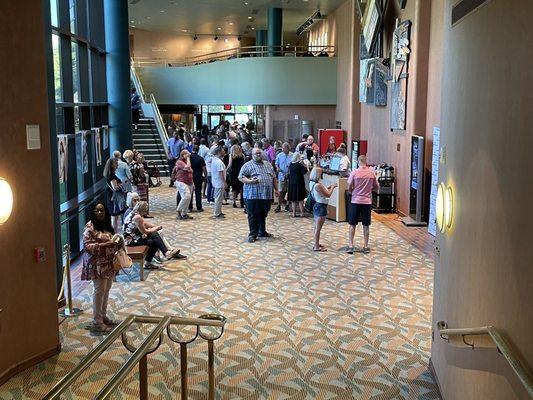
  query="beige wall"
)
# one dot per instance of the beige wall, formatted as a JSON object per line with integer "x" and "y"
{"x": 347, "y": 31}
{"x": 173, "y": 46}
{"x": 323, "y": 117}
{"x": 28, "y": 322}
{"x": 394, "y": 148}
{"x": 484, "y": 275}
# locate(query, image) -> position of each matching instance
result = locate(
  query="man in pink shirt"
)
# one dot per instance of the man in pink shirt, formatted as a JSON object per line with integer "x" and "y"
{"x": 361, "y": 183}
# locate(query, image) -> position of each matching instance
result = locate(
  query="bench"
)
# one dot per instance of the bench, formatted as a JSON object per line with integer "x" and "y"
{"x": 138, "y": 253}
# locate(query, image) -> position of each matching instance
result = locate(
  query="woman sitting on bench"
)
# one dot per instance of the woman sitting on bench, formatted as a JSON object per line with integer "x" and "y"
{"x": 138, "y": 232}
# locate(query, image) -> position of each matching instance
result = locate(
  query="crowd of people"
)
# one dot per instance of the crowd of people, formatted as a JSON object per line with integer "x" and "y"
{"x": 226, "y": 164}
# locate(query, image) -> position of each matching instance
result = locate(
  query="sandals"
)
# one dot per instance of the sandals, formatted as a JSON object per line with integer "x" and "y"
{"x": 321, "y": 249}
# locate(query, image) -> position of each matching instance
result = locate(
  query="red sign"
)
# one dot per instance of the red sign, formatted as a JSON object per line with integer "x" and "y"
{"x": 227, "y": 107}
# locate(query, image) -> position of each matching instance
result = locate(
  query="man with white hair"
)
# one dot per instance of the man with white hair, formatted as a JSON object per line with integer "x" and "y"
{"x": 123, "y": 172}
{"x": 361, "y": 183}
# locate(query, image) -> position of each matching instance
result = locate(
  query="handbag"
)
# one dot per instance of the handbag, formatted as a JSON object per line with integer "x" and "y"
{"x": 310, "y": 200}
{"x": 121, "y": 260}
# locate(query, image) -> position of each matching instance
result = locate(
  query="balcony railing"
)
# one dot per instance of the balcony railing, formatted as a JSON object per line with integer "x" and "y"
{"x": 238, "y": 52}
{"x": 140, "y": 354}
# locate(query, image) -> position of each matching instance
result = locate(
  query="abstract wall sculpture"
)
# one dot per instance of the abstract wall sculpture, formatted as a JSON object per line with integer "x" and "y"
{"x": 399, "y": 72}
{"x": 366, "y": 81}
{"x": 381, "y": 72}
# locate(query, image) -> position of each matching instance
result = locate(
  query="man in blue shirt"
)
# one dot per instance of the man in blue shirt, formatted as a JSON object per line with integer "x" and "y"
{"x": 260, "y": 184}
{"x": 175, "y": 145}
{"x": 283, "y": 160}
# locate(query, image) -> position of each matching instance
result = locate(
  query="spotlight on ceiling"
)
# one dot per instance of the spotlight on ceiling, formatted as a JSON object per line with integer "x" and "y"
{"x": 239, "y": 38}
{"x": 310, "y": 21}
{"x": 195, "y": 37}
{"x": 216, "y": 37}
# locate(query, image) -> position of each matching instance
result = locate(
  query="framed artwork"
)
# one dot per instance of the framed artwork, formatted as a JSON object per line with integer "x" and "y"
{"x": 401, "y": 41}
{"x": 98, "y": 146}
{"x": 366, "y": 81}
{"x": 62, "y": 148}
{"x": 381, "y": 71}
{"x": 371, "y": 24}
{"x": 399, "y": 104}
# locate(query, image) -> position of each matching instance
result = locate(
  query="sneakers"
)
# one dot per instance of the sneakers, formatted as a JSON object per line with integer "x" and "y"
{"x": 251, "y": 239}
{"x": 175, "y": 254}
{"x": 221, "y": 215}
{"x": 150, "y": 265}
{"x": 184, "y": 217}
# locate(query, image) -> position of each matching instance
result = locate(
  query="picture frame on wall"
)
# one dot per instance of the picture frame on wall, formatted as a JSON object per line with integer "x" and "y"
{"x": 371, "y": 24}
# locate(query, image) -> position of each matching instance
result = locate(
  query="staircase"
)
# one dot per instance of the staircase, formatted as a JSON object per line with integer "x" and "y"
{"x": 146, "y": 139}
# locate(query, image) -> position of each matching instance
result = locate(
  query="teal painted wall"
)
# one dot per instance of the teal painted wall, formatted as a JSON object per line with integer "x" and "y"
{"x": 267, "y": 80}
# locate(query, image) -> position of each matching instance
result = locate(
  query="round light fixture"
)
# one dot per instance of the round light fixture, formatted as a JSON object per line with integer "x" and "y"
{"x": 439, "y": 207}
{"x": 448, "y": 207}
{"x": 6, "y": 201}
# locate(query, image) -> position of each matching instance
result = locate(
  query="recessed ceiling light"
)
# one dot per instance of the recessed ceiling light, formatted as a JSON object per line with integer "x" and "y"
{"x": 250, "y": 17}
{"x": 245, "y": 3}
{"x": 219, "y": 29}
{"x": 253, "y": 29}
{"x": 231, "y": 23}
{"x": 184, "y": 30}
{"x": 132, "y": 22}
{"x": 148, "y": 17}
{"x": 162, "y": 11}
{"x": 225, "y": 40}
{"x": 133, "y": 26}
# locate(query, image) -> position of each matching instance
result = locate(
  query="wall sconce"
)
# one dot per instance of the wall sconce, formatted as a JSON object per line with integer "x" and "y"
{"x": 6, "y": 201}
{"x": 444, "y": 207}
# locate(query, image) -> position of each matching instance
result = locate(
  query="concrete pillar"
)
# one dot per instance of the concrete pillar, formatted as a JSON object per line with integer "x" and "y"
{"x": 275, "y": 31}
{"x": 118, "y": 74}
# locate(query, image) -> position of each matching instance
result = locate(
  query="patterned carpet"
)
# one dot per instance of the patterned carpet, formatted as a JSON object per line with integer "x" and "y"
{"x": 301, "y": 325}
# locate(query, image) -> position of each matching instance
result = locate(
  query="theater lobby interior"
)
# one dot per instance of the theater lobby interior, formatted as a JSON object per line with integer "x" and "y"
{"x": 434, "y": 95}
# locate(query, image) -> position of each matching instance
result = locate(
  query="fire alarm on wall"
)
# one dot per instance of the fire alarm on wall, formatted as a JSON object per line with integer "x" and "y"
{"x": 39, "y": 254}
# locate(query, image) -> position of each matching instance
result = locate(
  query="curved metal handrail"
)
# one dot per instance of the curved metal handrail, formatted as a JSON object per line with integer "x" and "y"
{"x": 502, "y": 344}
{"x": 139, "y": 355}
{"x": 236, "y": 52}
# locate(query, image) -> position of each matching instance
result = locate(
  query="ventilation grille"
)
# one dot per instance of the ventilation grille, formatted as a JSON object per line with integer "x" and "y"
{"x": 464, "y": 8}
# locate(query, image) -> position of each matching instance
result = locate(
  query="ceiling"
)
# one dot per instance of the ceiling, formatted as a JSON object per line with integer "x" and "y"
{"x": 221, "y": 17}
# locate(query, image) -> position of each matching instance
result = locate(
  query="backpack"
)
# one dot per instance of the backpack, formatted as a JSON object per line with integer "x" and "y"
{"x": 310, "y": 200}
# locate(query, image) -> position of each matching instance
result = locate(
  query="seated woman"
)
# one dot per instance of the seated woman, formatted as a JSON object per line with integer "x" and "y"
{"x": 138, "y": 232}
{"x": 99, "y": 251}
{"x": 132, "y": 198}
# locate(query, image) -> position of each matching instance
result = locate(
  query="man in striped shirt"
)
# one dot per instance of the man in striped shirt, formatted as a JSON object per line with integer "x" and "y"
{"x": 361, "y": 183}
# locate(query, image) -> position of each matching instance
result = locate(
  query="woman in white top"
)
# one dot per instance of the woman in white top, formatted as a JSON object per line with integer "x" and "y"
{"x": 320, "y": 195}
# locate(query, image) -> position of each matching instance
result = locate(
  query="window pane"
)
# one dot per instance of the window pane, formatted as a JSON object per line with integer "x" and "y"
{"x": 72, "y": 12}
{"x": 75, "y": 72}
{"x": 60, "y": 122}
{"x": 57, "y": 68}
{"x": 53, "y": 12}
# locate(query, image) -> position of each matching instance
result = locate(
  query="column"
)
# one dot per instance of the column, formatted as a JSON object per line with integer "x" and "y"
{"x": 118, "y": 74}
{"x": 275, "y": 31}
{"x": 261, "y": 39}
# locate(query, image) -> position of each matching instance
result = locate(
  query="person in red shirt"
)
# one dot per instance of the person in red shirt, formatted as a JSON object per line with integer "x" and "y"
{"x": 182, "y": 175}
{"x": 361, "y": 183}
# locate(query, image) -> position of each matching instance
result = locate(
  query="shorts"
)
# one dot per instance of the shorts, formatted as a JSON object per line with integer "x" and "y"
{"x": 282, "y": 185}
{"x": 320, "y": 210}
{"x": 359, "y": 213}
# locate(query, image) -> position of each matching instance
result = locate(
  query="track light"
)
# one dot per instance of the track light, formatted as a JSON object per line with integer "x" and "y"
{"x": 195, "y": 37}
{"x": 239, "y": 38}
{"x": 216, "y": 38}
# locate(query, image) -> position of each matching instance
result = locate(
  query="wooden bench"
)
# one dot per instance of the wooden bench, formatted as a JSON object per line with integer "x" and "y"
{"x": 138, "y": 253}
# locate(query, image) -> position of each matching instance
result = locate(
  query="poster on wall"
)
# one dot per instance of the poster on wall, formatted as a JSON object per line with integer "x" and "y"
{"x": 381, "y": 71}
{"x": 62, "y": 148}
{"x": 105, "y": 137}
{"x": 82, "y": 156}
{"x": 432, "y": 227}
{"x": 366, "y": 81}
{"x": 371, "y": 24}
{"x": 399, "y": 70}
{"x": 97, "y": 146}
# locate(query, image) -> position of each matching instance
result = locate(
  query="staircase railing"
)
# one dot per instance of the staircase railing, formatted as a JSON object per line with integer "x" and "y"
{"x": 140, "y": 354}
{"x": 502, "y": 344}
{"x": 154, "y": 109}
{"x": 160, "y": 125}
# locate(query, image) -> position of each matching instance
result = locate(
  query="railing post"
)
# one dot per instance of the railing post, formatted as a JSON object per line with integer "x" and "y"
{"x": 183, "y": 365}
{"x": 69, "y": 311}
{"x": 143, "y": 377}
{"x": 211, "y": 368}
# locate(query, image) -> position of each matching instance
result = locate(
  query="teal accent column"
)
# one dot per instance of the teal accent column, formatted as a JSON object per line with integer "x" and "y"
{"x": 118, "y": 74}
{"x": 261, "y": 39}
{"x": 275, "y": 31}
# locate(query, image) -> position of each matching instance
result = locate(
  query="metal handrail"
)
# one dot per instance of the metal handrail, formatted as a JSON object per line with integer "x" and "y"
{"x": 160, "y": 125}
{"x": 237, "y": 52}
{"x": 502, "y": 344}
{"x": 140, "y": 354}
{"x": 137, "y": 83}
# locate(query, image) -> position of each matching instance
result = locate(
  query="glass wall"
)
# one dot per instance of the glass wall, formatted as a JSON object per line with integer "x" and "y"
{"x": 79, "y": 59}
{"x": 212, "y": 115}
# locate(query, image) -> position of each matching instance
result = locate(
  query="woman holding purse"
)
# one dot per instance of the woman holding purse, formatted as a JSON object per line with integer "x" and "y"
{"x": 99, "y": 252}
